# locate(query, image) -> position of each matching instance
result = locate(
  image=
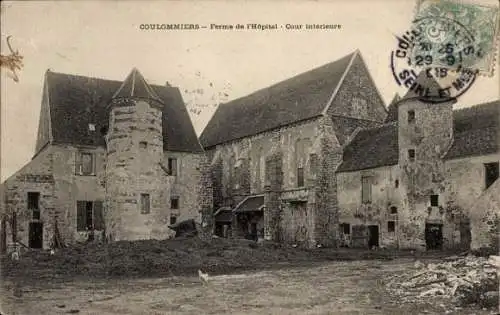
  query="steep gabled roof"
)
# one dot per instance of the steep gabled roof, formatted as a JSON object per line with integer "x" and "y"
{"x": 136, "y": 86}
{"x": 372, "y": 148}
{"x": 423, "y": 84}
{"x": 296, "y": 99}
{"x": 475, "y": 130}
{"x": 77, "y": 101}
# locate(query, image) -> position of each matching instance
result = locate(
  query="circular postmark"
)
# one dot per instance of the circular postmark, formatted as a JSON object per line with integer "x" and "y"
{"x": 434, "y": 59}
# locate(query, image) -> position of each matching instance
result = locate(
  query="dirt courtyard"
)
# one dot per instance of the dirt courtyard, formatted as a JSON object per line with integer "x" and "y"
{"x": 354, "y": 287}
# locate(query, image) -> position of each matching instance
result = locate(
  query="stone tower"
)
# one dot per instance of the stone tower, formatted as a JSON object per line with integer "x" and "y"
{"x": 136, "y": 184}
{"x": 425, "y": 132}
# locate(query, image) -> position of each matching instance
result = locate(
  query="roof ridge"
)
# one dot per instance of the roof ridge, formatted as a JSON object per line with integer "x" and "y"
{"x": 82, "y": 76}
{"x": 490, "y": 103}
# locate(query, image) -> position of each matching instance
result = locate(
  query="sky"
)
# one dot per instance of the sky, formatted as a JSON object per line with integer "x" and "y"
{"x": 104, "y": 39}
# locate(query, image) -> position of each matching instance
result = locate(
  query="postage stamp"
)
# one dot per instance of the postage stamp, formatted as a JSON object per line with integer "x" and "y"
{"x": 435, "y": 59}
{"x": 481, "y": 22}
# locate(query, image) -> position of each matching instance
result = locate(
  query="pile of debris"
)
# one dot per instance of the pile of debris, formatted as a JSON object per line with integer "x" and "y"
{"x": 467, "y": 280}
{"x": 182, "y": 255}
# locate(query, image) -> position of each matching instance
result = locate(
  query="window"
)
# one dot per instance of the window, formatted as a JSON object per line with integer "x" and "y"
{"x": 300, "y": 177}
{"x": 411, "y": 154}
{"x": 434, "y": 200}
{"x": 143, "y": 144}
{"x": 411, "y": 116}
{"x": 174, "y": 203}
{"x": 366, "y": 189}
{"x": 145, "y": 204}
{"x": 91, "y": 127}
{"x": 345, "y": 228}
{"x": 173, "y": 219}
{"x": 394, "y": 210}
{"x": 85, "y": 163}
{"x": 172, "y": 166}
{"x": 391, "y": 226}
{"x": 491, "y": 171}
{"x": 34, "y": 204}
{"x": 89, "y": 215}
{"x": 396, "y": 183}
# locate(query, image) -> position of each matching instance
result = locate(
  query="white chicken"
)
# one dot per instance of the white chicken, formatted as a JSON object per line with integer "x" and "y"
{"x": 203, "y": 277}
{"x": 52, "y": 252}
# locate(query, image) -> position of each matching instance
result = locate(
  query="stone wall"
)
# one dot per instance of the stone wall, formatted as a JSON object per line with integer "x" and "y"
{"x": 272, "y": 200}
{"x": 192, "y": 185}
{"x": 466, "y": 195}
{"x": 135, "y": 153}
{"x": 71, "y": 187}
{"x": 358, "y": 96}
{"x": 429, "y": 134}
{"x": 384, "y": 195}
{"x": 462, "y": 200}
{"x": 34, "y": 177}
{"x": 329, "y": 153}
{"x": 238, "y": 167}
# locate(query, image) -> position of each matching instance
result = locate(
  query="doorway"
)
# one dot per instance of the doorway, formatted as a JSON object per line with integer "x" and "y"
{"x": 465, "y": 235}
{"x": 36, "y": 235}
{"x": 253, "y": 231}
{"x": 373, "y": 236}
{"x": 433, "y": 236}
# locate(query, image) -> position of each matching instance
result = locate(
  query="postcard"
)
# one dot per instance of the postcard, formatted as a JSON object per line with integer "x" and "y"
{"x": 249, "y": 157}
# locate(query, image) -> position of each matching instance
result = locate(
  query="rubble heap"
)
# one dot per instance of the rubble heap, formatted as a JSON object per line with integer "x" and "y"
{"x": 466, "y": 280}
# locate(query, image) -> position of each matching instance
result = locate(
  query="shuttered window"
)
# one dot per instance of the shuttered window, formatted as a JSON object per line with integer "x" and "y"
{"x": 89, "y": 215}
{"x": 81, "y": 215}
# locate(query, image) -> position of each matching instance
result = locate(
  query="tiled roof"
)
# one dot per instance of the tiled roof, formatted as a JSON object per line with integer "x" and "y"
{"x": 250, "y": 203}
{"x": 475, "y": 132}
{"x": 136, "y": 86}
{"x": 75, "y": 101}
{"x": 371, "y": 148}
{"x": 224, "y": 214}
{"x": 299, "y": 98}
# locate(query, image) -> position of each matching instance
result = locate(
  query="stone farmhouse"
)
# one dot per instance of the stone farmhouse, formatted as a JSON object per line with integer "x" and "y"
{"x": 119, "y": 160}
{"x": 318, "y": 159}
